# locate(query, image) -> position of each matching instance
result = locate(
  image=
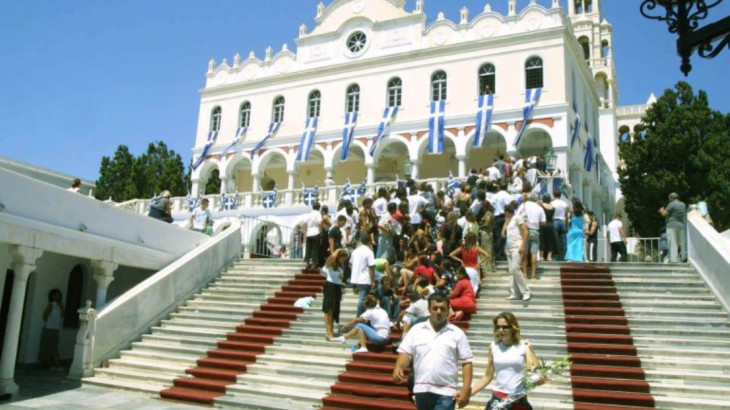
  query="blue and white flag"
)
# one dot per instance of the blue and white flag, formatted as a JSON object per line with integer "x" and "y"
{"x": 436, "y": 127}
{"x": 451, "y": 184}
{"x": 544, "y": 186}
{"x": 211, "y": 139}
{"x": 305, "y": 145}
{"x": 229, "y": 202}
{"x": 347, "y": 132}
{"x": 399, "y": 183}
{"x": 388, "y": 115}
{"x": 270, "y": 200}
{"x": 484, "y": 118}
{"x": 532, "y": 96}
{"x": 588, "y": 159}
{"x": 273, "y": 127}
{"x": 192, "y": 202}
{"x": 347, "y": 191}
{"x": 240, "y": 133}
{"x": 310, "y": 195}
{"x": 576, "y": 126}
{"x": 357, "y": 193}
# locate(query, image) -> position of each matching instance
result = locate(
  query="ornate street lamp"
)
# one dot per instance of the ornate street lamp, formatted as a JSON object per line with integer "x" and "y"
{"x": 683, "y": 17}
{"x": 551, "y": 160}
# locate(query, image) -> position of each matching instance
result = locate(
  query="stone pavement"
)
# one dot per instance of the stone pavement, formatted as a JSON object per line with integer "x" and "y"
{"x": 45, "y": 389}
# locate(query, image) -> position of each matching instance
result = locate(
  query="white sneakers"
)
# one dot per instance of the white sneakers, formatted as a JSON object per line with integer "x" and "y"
{"x": 525, "y": 297}
{"x": 340, "y": 339}
{"x": 511, "y": 297}
{"x": 362, "y": 350}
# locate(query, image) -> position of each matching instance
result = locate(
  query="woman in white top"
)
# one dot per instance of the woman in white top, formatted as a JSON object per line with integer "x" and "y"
{"x": 508, "y": 359}
{"x": 377, "y": 333}
{"x": 333, "y": 269}
{"x": 52, "y": 318}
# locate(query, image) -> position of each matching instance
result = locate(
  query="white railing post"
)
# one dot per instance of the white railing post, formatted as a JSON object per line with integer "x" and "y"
{"x": 83, "y": 362}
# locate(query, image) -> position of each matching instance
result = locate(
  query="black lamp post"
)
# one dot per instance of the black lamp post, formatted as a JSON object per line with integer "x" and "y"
{"x": 683, "y": 17}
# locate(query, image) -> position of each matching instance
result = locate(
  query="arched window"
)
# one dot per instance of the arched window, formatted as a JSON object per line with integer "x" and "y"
{"x": 215, "y": 119}
{"x": 353, "y": 98}
{"x": 314, "y": 103}
{"x": 487, "y": 79}
{"x": 278, "y": 109}
{"x": 395, "y": 92}
{"x": 586, "y": 46}
{"x": 74, "y": 291}
{"x": 579, "y": 6}
{"x": 244, "y": 118}
{"x": 533, "y": 73}
{"x": 438, "y": 86}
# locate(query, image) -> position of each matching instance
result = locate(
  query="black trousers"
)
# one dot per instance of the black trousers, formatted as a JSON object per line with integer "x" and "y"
{"x": 311, "y": 254}
{"x": 499, "y": 241}
{"x": 618, "y": 248}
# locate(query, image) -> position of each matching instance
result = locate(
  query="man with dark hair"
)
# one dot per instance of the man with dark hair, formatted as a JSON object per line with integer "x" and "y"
{"x": 312, "y": 224}
{"x": 617, "y": 239}
{"x": 436, "y": 347}
{"x": 362, "y": 262}
{"x": 335, "y": 234}
{"x": 562, "y": 212}
{"x": 676, "y": 214}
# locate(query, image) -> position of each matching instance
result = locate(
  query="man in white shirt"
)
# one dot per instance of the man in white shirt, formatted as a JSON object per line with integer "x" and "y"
{"x": 617, "y": 239}
{"x": 380, "y": 205}
{"x": 518, "y": 235}
{"x": 562, "y": 210}
{"x": 500, "y": 200}
{"x": 416, "y": 205}
{"x": 494, "y": 174}
{"x": 201, "y": 218}
{"x": 535, "y": 215}
{"x": 312, "y": 223}
{"x": 437, "y": 348}
{"x": 362, "y": 262}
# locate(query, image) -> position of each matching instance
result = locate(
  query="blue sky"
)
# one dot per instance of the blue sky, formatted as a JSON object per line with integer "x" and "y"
{"x": 82, "y": 77}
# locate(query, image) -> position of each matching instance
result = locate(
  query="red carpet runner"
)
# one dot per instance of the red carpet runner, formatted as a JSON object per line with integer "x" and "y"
{"x": 606, "y": 371}
{"x": 209, "y": 379}
{"x": 367, "y": 382}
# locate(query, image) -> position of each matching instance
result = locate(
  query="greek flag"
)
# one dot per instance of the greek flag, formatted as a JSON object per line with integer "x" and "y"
{"x": 347, "y": 191}
{"x": 388, "y": 115}
{"x": 484, "y": 118}
{"x": 357, "y": 193}
{"x": 240, "y": 133}
{"x": 588, "y": 159}
{"x": 229, "y": 202}
{"x": 305, "y": 145}
{"x": 211, "y": 139}
{"x": 436, "y": 127}
{"x": 531, "y": 98}
{"x": 310, "y": 195}
{"x": 576, "y": 126}
{"x": 273, "y": 127}
{"x": 451, "y": 184}
{"x": 270, "y": 200}
{"x": 192, "y": 202}
{"x": 399, "y": 183}
{"x": 347, "y": 132}
{"x": 544, "y": 186}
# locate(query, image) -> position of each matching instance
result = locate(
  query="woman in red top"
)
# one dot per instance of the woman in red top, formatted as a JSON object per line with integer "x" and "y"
{"x": 468, "y": 256}
{"x": 462, "y": 297}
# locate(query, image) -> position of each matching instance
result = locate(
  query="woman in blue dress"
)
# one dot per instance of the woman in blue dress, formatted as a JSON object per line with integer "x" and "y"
{"x": 575, "y": 234}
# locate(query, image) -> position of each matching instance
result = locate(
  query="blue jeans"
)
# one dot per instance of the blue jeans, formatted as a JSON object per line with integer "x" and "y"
{"x": 433, "y": 401}
{"x": 363, "y": 291}
{"x": 562, "y": 233}
{"x": 385, "y": 247}
{"x": 372, "y": 335}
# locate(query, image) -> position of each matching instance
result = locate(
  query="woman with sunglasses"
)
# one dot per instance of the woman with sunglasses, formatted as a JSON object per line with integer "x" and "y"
{"x": 508, "y": 359}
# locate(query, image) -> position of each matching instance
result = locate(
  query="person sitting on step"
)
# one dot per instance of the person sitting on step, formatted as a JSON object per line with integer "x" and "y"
{"x": 377, "y": 332}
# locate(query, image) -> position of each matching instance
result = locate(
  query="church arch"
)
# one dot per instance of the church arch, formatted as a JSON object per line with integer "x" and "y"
{"x": 353, "y": 167}
{"x": 238, "y": 168}
{"x": 390, "y": 158}
{"x": 494, "y": 144}
{"x": 535, "y": 141}
{"x": 312, "y": 171}
{"x": 437, "y": 165}
{"x": 272, "y": 166}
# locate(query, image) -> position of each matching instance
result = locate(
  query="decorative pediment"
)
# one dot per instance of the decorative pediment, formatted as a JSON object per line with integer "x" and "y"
{"x": 340, "y": 12}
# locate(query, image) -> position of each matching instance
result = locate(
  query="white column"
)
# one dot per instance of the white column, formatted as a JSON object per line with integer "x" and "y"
{"x": 462, "y": 165}
{"x": 415, "y": 169}
{"x": 587, "y": 197}
{"x": 24, "y": 259}
{"x": 371, "y": 173}
{"x": 195, "y": 189}
{"x": 289, "y": 197}
{"x": 224, "y": 184}
{"x": 256, "y": 183}
{"x": 103, "y": 272}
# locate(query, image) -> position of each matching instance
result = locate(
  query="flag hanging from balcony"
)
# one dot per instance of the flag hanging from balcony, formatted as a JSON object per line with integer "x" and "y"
{"x": 347, "y": 132}
{"x": 544, "y": 185}
{"x": 576, "y": 126}
{"x": 229, "y": 202}
{"x": 347, "y": 191}
{"x": 192, "y": 202}
{"x": 211, "y": 139}
{"x": 588, "y": 159}
{"x": 273, "y": 127}
{"x": 305, "y": 144}
{"x": 532, "y": 96}
{"x": 388, "y": 115}
{"x": 310, "y": 195}
{"x": 436, "y": 127}
{"x": 451, "y": 184}
{"x": 357, "y": 193}
{"x": 240, "y": 133}
{"x": 270, "y": 200}
{"x": 484, "y": 119}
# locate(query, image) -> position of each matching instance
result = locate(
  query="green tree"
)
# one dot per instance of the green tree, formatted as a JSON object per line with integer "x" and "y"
{"x": 115, "y": 176}
{"x": 213, "y": 186}
{"x": 125, "y": 177}
{"x": 685, "y": 148}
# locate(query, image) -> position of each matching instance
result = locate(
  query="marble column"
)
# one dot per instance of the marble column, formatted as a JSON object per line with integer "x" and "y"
{"x": 103, "y": 273}
{"x": 289, "y": 197}
{"x": 462, "y": 165}
{"x": 415, "y": 168}
{"x": 224, "y": 184}
{"x": 24, "y": 259}
{"x": 195, "y": 188}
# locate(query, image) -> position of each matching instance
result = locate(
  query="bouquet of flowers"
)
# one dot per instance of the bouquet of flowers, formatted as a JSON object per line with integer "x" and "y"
{"x": 542, "y": 373}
